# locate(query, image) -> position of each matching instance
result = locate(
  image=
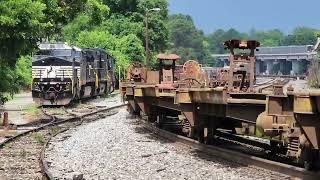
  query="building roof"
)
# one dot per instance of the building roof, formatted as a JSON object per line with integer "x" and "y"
{"x": 168, "y": 57}
{"x": 286, "y": 49}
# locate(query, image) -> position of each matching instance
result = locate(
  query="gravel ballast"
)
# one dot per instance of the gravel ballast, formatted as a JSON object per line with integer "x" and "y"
{"x": 117, "y": 147}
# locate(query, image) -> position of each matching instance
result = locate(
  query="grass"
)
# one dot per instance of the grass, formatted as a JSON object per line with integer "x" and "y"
{"x": 54, "y": 131}
{"x": 117, "y": 91}
{"x": 7, "y": 146}
{"x": 23, "y": 153}
{"x": 32, "y": 109}
{"x": 55, "y": 110}
{"x": 8, "y": 95}
{"x": 39, "y": 138}
{"x": 31, "y": 112}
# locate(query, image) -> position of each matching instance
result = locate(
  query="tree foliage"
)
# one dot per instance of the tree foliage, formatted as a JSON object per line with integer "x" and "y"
{"x": 121, "y": 25}
{"x": 126, "y": 49}
{"x": 299, "y": 36}
{"x": 59, "y": 13}
{"x": 187, "y": 41}
{"x": 21, "y": 27}
{"x": 117, "y": 26}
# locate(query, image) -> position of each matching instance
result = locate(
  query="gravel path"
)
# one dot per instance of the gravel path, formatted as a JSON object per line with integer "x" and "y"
{"x": 112, "y": 100}
{"x": 117, "y": 147}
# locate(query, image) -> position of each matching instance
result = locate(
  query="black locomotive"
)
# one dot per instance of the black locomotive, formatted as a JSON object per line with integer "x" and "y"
{"x": 62, "y": 73}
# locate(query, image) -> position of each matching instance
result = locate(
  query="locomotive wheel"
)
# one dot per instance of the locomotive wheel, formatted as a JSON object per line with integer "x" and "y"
{"x": 200, "y": 132}
{"x": 310, "y": 161}
{"x": 159, "y": 122}
{"x": 191, "y": 132}
{"x": 130, "y": 109}
{"x": 308, "y": 165}
{"x": 208, "y": 135}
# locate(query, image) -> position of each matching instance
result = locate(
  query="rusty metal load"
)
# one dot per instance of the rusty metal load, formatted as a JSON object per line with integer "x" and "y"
{"x": 203, "y": 100}
{"x": 137, "y": 72}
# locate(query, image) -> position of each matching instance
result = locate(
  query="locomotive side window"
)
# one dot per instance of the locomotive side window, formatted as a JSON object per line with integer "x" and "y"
{"x": 103, "y": 61}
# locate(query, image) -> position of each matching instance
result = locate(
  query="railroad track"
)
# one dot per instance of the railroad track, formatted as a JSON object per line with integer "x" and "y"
{"x": 234, "y": 156}
{"x": 281, "y": 76}
{"x": 26, "y": 137}
{"x": 230, "y": 155}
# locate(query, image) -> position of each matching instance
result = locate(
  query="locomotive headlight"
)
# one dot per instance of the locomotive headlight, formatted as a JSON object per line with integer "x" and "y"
{"x": 36, "y": 85}
{"x": 68, "y": 86}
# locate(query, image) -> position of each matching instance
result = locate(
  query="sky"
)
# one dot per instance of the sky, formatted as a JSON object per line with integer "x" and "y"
{"x": 244, "y": 15}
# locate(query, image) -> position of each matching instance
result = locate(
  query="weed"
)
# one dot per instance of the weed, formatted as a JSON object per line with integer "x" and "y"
{"x": 23, "y": 153}
{"x": 39, "y": 138}
{"x": 54, "y": 131}
{"x": 7, "y": 146}
{"x": 32, "y": 109}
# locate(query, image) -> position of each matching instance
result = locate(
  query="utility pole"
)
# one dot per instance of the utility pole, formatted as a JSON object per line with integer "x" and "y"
{"x": 147, "y": 38}
{"x": 147, "y": 51}
{"x": 119, "y": 76}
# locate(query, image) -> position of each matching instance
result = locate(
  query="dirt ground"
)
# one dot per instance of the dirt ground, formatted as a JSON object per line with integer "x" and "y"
{"x": 17, "y": 108}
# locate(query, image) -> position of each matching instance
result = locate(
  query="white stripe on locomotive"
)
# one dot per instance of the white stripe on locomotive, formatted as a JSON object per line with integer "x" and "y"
{"x": 53, "y": 71}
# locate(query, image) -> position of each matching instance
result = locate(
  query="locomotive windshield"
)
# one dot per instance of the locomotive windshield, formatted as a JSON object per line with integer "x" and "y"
{"x": 56, "y": 52}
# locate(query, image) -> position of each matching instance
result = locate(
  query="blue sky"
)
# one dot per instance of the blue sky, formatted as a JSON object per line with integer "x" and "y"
{"x": 244, "y": 15}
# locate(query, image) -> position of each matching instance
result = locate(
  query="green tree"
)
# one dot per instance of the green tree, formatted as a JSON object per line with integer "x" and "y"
{"x": 183, "y": 33}
{"x": 94, "y": 14}
{"x": 186, "y": 40}
{"x": 217, "y": 38}
{"x": 22, "y": 24}
{"x": 71, "y": 31}
{"x": 268, "y": 38}
{"x": 126, "y": 49}
{"x": 131, "y": 46}
{"x": 121, "y": 26}
{"x": 158, "y": 32}
{"x": 59, "y": 13}
{"x": 23, "y": 72}
{"x": 301, "y": 36}
{"x": 124, "y": 7}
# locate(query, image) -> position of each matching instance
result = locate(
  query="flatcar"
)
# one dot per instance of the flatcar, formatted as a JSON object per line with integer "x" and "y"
{"x": 232, "y": 100}
{"x": 62, "y": 73}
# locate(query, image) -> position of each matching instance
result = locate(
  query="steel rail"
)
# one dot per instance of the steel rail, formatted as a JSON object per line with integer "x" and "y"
{"x": 55, "y": 121}
{"x": 234, "y": 156}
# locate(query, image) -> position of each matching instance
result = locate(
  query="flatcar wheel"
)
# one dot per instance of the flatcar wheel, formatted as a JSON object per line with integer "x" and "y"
{"x": 130, "y": 110}
{"x": 191, "y": 132}
{"x": 200, "y": 132}
{"x": 307, "y": 165}
{"x": 208, "y": 136}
